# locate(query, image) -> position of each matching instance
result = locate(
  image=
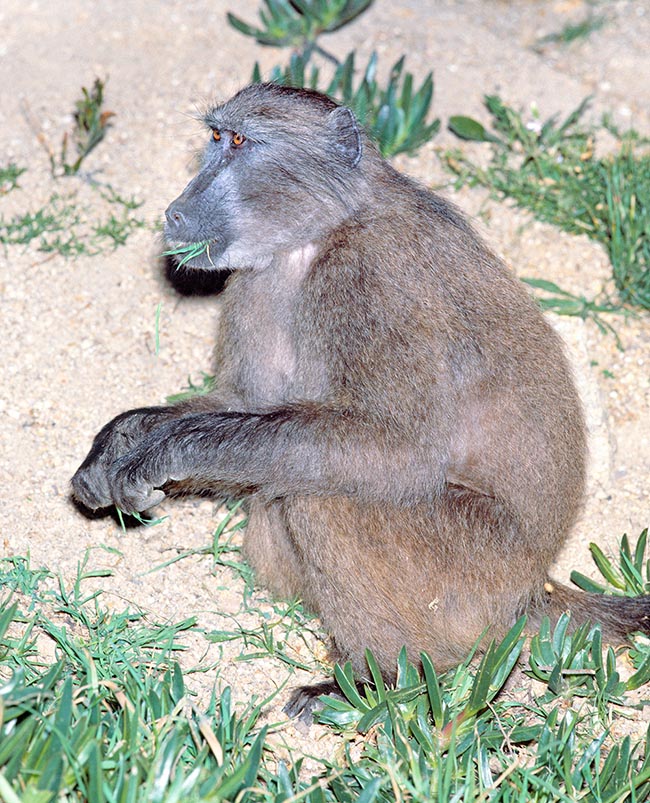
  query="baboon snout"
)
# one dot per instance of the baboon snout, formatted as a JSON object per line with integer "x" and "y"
{"x": 176, "y": 220}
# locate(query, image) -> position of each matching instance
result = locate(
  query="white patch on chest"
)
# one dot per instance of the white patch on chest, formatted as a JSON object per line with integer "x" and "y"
{"x": 262, "y": 322}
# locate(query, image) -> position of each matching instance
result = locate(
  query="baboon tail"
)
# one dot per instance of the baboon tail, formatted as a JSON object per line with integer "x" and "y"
{"x": 617, "y": 616}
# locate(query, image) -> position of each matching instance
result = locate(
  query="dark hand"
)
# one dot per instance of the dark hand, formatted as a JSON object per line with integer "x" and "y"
{"x": 134, "y": 480}
{"x": 93, "y": 484}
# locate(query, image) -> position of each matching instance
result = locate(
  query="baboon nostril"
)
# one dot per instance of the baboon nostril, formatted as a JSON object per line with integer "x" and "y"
{"x": 175, "y": 217}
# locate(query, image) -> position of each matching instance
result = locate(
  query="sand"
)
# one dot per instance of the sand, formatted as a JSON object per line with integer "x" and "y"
{"x": 80, "y": 336}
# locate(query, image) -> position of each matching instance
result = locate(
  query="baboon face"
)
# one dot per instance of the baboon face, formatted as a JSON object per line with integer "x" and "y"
{"x": 273, "y": 170}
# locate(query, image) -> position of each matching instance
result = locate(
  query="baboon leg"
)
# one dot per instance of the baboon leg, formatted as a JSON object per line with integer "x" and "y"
{"x": 382, "y": 580}
{"x": 270, "y": 551}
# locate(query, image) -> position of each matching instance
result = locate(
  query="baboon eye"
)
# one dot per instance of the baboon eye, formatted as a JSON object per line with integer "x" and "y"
{"x": 238, "y": 139}
{"x": 216, "y": 135}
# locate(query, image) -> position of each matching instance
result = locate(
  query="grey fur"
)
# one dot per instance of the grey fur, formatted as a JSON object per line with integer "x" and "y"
{"x": 401, "y": 414}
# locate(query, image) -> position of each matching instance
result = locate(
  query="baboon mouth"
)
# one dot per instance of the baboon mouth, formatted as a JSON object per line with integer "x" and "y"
{"x": 192, "y": 255}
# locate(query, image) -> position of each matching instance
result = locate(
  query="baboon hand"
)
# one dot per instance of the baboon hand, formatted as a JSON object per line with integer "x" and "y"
{"x": 92, "y": 483}
{"x": 134, "y": 482}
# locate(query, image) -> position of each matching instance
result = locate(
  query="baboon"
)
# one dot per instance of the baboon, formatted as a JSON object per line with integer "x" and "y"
{"x": 399, "y": 413}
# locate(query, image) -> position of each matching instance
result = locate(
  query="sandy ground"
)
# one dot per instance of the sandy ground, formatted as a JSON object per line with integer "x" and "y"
{"x": 79, "y": 335}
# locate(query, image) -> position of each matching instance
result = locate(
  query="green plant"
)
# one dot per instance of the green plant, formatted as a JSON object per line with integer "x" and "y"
{"x": 110, "y": 718}
{"x": 572, "y": 663}
{"x": 298, "y": 23}
{"x": 116, "y": 229}
{"x": 561, "y": 302}
{"x": 16, "y": 574}
{"x": 9, "y": 176}
{"x": 394, "y": 116}
{"x": 551, "y": 169}
{"x": 188, "y": 251}
{"x": 131, "y": 739}
{"x": 454, "y": 738}
{"x": 453, "y": 718}
{"x": 54, "y": 226}
{"x": 205, "y": 385}
{"x": 62, "y": 227}
{"x": 90, "y": 125}
{"x": 573, "y": 31}
{"x": 630, "y": 578}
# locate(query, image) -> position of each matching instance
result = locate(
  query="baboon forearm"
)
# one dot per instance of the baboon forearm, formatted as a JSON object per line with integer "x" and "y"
{"x": 285, "y": 452}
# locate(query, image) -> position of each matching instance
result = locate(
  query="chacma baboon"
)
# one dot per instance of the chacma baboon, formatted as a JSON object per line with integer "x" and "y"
{"x": 400, "y": 414}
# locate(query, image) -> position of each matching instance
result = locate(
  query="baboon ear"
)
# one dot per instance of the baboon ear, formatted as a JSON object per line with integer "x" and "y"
{"x": 345, "y": 129}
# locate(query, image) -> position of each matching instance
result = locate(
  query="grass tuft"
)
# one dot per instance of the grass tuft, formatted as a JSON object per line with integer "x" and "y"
{"x": 551, "y": 169}
{"x": 9, "y": 176}
{"x": 631, "y": 578}
{"x": 90, "y": 124}
{"x": 460, "y": 737}
{"x": 188, "y": 251}
{"x": 573, "y": 31}
{"x": 205, "y": 385}
{"x": 62, "y": 227}
{"x": 110, "y": 718}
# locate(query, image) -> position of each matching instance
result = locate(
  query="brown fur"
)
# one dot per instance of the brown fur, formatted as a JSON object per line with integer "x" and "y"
{"x": 400, "y": 412}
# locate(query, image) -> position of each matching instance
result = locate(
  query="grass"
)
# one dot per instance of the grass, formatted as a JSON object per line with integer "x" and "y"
{"x": 551, "y": 169}
{"x": 188, "y": 251}
{"x": 9, "y": 175}
{"x": 206, "y": 384}
{"x": 562, "y": 302}
{"x": 573, "y": 31}
{"x": 90, "y": 124}
{"x": 111, "y": 716}
{"x": 110, "y": 719}
{"x": 65, "y": 227}
{"x": 453, "y": 738}
{"x": 630, "y": 578}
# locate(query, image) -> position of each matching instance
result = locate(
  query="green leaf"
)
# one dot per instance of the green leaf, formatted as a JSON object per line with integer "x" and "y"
{"x": 605, "y": 567}
{"x": 586, "y": 583}
{"x": 376, "y": 675}
{"x": 639, "y": 552}
{"x": 470, "y": 129}
{"x": 549, "y": 287}
{"x": 641, "y": 676}
{"x": 345, "y": 678}
{"x": 189, "y": 251}
{"x": 241, "y": 26}
{"x": 370, "y": 791}
{"x": 433, "y": 691}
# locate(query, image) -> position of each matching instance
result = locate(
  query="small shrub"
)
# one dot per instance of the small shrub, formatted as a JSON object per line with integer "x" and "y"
{"x": 90, "y": 124}
{"x": 298, "y": 23}
{"x": 394, "y": 116}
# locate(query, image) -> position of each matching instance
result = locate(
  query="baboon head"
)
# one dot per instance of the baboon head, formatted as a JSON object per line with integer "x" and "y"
{"x": 281, "y": 167}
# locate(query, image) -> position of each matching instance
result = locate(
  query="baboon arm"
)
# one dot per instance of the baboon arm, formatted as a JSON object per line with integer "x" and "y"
{"x": 121, "y": 436}
{"x": 299, "y": 450}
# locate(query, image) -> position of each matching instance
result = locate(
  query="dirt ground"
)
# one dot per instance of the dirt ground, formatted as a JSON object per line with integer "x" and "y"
{"x": 79, "y": 335}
